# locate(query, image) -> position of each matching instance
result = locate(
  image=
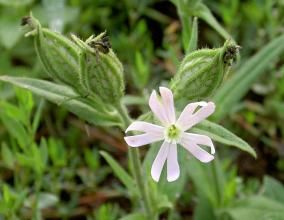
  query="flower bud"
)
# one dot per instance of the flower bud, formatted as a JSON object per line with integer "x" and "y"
{"x": 58, "y": 54}
{"x": 202, "y": 72}
{"x": 101, "y": 72}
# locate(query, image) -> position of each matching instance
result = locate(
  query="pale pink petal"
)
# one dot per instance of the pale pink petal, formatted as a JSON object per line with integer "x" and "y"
{"x": 168, "y": 104}
{"x": 157, "y": 108}
{"x": 189, "y": 118}
{"x": 196, "y": 151}
{"x": 200, "y": 139}
{"x": 172, "y": 164}
{"x": 159, "y": 161}
{"x": 188, "y": 112}
{"x": 143, "y": 139}
{"x": 145, "y": 127}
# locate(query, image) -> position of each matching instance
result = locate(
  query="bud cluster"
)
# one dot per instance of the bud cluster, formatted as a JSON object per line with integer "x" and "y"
{"x": 90, "y": 67}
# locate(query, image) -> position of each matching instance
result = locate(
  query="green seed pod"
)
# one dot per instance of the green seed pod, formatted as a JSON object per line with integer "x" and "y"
{"x": 202, "y": 72}
{"x": 58, "y": 54}
{"x": 101, "y": 71}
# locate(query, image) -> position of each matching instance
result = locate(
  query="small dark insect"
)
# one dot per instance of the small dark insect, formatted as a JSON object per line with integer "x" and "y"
{"x": 25, "y": 20}
{"x": 231, "y": 54}
{"x": 103, "y": 44}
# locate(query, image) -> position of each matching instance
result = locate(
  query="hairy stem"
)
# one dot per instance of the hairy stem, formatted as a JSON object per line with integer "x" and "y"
{"x": 217, "y": 184}
{"x": 137, "y": 168}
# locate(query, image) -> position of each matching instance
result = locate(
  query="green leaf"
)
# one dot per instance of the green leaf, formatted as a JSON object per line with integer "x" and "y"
{"x": 25, "y": 161}
{"x": 16, "y": 130}
{"x": 10, "y": 31}
{"x": 66, "y": 97}
{"x": 185, "y": 21}
{"x": 276, "y": 107}
{"x": 4, "y": 209}
{"x": 204, "y": 210}
{"x": 273, "y": 189}
{"x": 107, "y": 211}
{"x": 92, "y": 158}
{"x": 120, "y": 173}
{"x": 12, "y": 111}
{"x": 194, "y": 36}
{"x": 15, "y": 2}
{"x": 256, "y": 207}
{"x": 142, "y": 70}
{"x": 21, "y": 196}
{"x": 39, "y": 157}
{"x": 43, "y": 154}
{"x": 134, "y": 100}
{"x": 7, "y": 156}
{"x": 202, "y": 180}
{"x": 134, "y": 216}
{"x": 7, "y": 195}
{"x": 57, "y": 152}
{"x": 239, "y": 84}
{"x": 222, "y": 135}
{"x": 25, "y": 100}
{"x": 37, "y": 115}
{"x": 203, "y": 12}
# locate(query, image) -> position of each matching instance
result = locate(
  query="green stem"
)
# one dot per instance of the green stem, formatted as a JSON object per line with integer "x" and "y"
{"x": 137, "y": 169}
{"x": 36, "y": 209}
{"x": 216, "y": 181}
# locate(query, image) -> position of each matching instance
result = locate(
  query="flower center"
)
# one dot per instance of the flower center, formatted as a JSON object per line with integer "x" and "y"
{"x": 172, "y": 133}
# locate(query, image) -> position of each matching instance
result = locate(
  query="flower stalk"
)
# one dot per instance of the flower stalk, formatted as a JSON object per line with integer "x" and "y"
{"x": 135, "y": 161}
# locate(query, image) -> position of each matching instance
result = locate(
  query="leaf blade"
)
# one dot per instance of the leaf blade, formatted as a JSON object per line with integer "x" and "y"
{"x": 68, "y": 98}
{"x": 222, "y": 135}
{"x": 121, "y": 174}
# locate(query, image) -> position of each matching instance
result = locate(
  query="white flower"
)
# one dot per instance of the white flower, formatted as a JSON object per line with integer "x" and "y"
{"x": 173, "y": 133}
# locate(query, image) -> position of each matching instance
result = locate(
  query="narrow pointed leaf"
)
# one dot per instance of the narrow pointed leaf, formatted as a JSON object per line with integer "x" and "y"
{"x": 134, "y": 216}
{"x": 194, "y": 36}
{"x": 222, "y": 135}
{"x": 120, "y": 173}
{"x": 203, "y": 12}
{"x": 255, "y": 207}
{"x": 66, "y": 97}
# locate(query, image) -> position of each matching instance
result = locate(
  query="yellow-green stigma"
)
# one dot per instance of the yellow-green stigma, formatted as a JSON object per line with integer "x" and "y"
{"x": 172, "y": 133}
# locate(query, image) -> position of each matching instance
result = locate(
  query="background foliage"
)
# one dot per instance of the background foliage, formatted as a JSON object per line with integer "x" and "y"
{"x": 51, "y": 164}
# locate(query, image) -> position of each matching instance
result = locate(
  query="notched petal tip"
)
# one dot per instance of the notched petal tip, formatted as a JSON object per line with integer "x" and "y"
{"x": 202, "y": 103}
{"x": 207, "y": 159}
{"x": 134, "y": 141}
{"x": 213, "y": 151}
{"x": 212, "y": 106}
{"x": 165, "y": 90}
{"x": 168, "y": 105}
{"x": 154, "y": 177}
{"x": 157, "y": 107}
{"x": 130, "y": 128}
{"x": 129, "y": 141}
{"x": 209, "y": 144}
{"x": 199, "y": 153}
{"x": 153, "y": 97}
{"x": 146, "y": 127}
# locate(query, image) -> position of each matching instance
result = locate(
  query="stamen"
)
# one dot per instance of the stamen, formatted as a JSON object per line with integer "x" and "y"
{"x": 172, "y": 133}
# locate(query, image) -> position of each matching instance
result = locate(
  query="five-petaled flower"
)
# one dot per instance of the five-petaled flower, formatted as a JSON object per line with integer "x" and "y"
{"x": 173, "y": 132}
